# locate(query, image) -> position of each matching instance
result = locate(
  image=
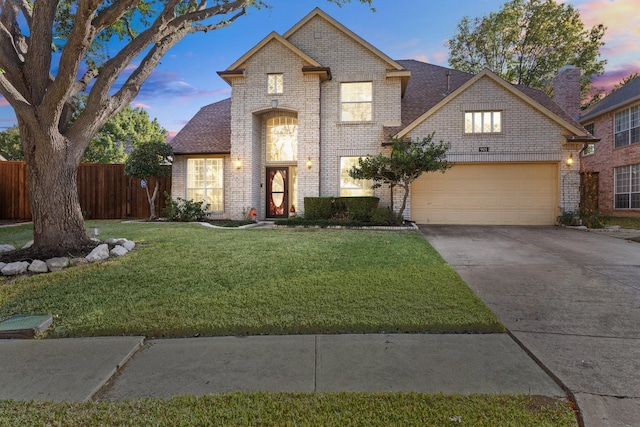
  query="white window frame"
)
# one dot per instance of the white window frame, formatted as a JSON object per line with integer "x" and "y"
{"x": 626, "y": 129}
{"x": 477, "y": 122}
{"x": 627, "y": 187}
{"x": 357, "y": 98}
{"x": 350, "y": 187}
{"x": 208, "y": 183}
{"x": 275, "y": 83}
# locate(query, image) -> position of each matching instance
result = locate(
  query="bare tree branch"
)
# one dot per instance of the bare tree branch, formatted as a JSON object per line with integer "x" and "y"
{"x": 38, "y": 56}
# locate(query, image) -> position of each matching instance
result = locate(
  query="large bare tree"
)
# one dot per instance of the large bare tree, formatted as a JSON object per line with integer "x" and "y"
{"x": 50, "y": 52}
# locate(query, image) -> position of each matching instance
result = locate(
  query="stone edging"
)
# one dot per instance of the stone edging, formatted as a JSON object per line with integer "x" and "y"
{"x": 101, "y": 252}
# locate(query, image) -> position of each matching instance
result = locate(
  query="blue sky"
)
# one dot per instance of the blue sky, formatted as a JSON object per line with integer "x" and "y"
{"x": 186, "y": 80}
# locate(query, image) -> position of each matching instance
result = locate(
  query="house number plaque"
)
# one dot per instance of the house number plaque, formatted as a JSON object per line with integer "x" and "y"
{"x": 483, "y": 149}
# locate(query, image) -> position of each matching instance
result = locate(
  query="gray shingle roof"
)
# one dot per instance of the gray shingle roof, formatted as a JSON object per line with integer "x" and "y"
{"x": 627, "y": 94}
{"x": 209, "y": 131}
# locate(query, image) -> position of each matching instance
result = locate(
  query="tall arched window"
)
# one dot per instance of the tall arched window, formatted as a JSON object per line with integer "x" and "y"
{"x": 282, "y": 139}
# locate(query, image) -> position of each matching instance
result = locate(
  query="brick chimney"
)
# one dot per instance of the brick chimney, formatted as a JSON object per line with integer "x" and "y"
{"x": 566, "y": 90}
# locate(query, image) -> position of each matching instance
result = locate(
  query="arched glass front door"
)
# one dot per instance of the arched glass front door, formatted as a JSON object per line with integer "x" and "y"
{"x": 277, "y": 193}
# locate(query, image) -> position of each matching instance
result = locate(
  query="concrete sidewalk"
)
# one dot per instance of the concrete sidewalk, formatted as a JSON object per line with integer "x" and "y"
{"x": 77, "y": 369}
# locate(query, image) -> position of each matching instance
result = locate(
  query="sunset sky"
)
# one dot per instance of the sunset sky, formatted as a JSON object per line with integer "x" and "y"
{"x": 403, "y": 29}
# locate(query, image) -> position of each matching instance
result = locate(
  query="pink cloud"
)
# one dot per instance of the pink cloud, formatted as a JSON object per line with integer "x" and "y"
{"x": 3, "y": 102}
{"x": 622, "y": 19}
{"x": 615, "y": 75}
{"x": 141, "y": 105}
{"x": 171, "y": 134}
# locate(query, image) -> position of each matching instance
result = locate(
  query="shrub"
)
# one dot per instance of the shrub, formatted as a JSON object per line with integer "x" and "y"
{"x": 359, "y": 208}
{"x": 319, "y": 207}
{"x": 570, "y": 218}
{"x": 592, "y": 218}
{"x": 184, "y": 210}
{"x": 385, "y": 216}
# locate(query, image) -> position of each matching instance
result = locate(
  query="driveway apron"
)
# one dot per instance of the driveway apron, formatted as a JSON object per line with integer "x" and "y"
{"x": 571, "y": 297}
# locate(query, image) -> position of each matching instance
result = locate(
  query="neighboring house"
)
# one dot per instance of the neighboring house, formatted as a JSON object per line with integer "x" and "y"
{"x": 613, "y": 164}
{"x": 2, "y": 159}
{"x": 307, "y": 104}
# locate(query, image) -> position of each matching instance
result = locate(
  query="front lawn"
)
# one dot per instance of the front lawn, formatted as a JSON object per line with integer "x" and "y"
{"x": 289, "y": 409}
{"x": 624, "y": 222}
{"x": 185, "y": 280}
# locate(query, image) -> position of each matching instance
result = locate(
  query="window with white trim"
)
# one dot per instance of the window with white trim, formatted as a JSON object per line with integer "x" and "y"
{"x": 483, "y": 122}
{"x": 590, "y": 148}
{"x": 205, "y": 182}
{"x": 627, "y": 126}
{"x": 275, "y": 83}
{"x": 350, "y": 187}
{"x": 627, "y": 186}
{"x": 356, "y": 101}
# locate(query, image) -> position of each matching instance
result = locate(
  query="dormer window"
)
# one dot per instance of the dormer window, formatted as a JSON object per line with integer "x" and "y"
{"x": 275, "y": 84}
{"x": 483, "y": 122}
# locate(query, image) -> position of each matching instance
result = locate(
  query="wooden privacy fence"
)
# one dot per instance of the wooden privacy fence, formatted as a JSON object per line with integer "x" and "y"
{"x": 104, "y": 192}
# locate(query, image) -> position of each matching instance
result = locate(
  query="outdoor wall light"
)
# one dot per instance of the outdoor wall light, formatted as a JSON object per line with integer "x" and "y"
{"x": 570, "y": 160}
{"x": 274, "y": 103}
{"x": 95, "y": 232}
{"x": 309, "y": 163}
{"x": 238, "y": 163}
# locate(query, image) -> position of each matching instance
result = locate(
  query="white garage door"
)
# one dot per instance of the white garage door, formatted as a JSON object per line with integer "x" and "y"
{"x": 500, "y": 194}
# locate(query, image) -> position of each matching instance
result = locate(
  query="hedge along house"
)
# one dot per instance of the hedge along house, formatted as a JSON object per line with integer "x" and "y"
{"x": 306, "y": 105}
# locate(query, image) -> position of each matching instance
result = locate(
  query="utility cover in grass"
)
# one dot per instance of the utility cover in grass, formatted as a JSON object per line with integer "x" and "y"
{"x": 24, "y": 326}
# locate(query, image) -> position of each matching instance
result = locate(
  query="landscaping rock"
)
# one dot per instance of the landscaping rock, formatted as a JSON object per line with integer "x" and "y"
{"x": 100, "y": 253}
{"x": 115, "y": 240}
{"x": 57, "y": 264}
{"x": 14, "y": 268}
{"x": 28, "y": 244}
{"x": 78, "y": 261}
{"x": 129, "y": 245}
{"x": 94, "y": 239}
{"x": 38, "y": 266}
{"x": 118, "y": 251}
{"x": 2, "y": 264}
{"x": 7, "y": 248}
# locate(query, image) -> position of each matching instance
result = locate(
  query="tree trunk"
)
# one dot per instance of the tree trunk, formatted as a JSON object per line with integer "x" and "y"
{"x": 58, "y": 226}
{"x": 405, "y": 187}
{"x": 152, "y": 199}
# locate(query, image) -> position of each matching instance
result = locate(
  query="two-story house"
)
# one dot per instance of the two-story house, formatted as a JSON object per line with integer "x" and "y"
{"x": 307, "y": 104}
{"x": 613, "y": 164}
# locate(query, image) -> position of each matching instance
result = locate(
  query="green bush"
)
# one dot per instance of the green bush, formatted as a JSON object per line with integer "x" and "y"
{"x": 184, "y": 210}
{"x": 592, "y": 219}
{"x": 359, "y": 208}
{"x": 570, "y": 218}
{"x": 385, "y": 216}
{"x": 319, "y": 207}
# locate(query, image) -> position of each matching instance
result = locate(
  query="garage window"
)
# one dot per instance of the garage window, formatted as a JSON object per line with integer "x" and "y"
{"x": 627, "y": 187}
{"x": 482, "y": 122}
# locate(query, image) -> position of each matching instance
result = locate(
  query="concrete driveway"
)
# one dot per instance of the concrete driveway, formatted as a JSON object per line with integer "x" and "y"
{"x": 571, "y": 297}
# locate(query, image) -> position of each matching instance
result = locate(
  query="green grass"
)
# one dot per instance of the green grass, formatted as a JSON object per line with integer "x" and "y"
{"x": 288, "y": 409}
{"x": 623, "y": 222}
{"x": 185, "y": 279}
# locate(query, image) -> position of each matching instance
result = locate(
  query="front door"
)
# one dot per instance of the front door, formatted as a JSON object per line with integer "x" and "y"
{"x": 277, "y": 193}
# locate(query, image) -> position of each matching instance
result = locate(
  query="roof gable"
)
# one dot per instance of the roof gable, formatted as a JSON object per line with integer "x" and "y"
{"x": 546, "y": 108}
{"x": 319, "y": 13}
{"x": 240, "y": 64}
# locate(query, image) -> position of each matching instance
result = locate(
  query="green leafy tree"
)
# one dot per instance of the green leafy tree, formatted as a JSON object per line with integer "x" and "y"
{"x": 527, "y": 41}
{"x": 10, "y": 147}
{"x": 123, "y": 132}
{"x": 406, "y": 162}
{"x": 150, "y": 160}
{"x": 51, "y": 51}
